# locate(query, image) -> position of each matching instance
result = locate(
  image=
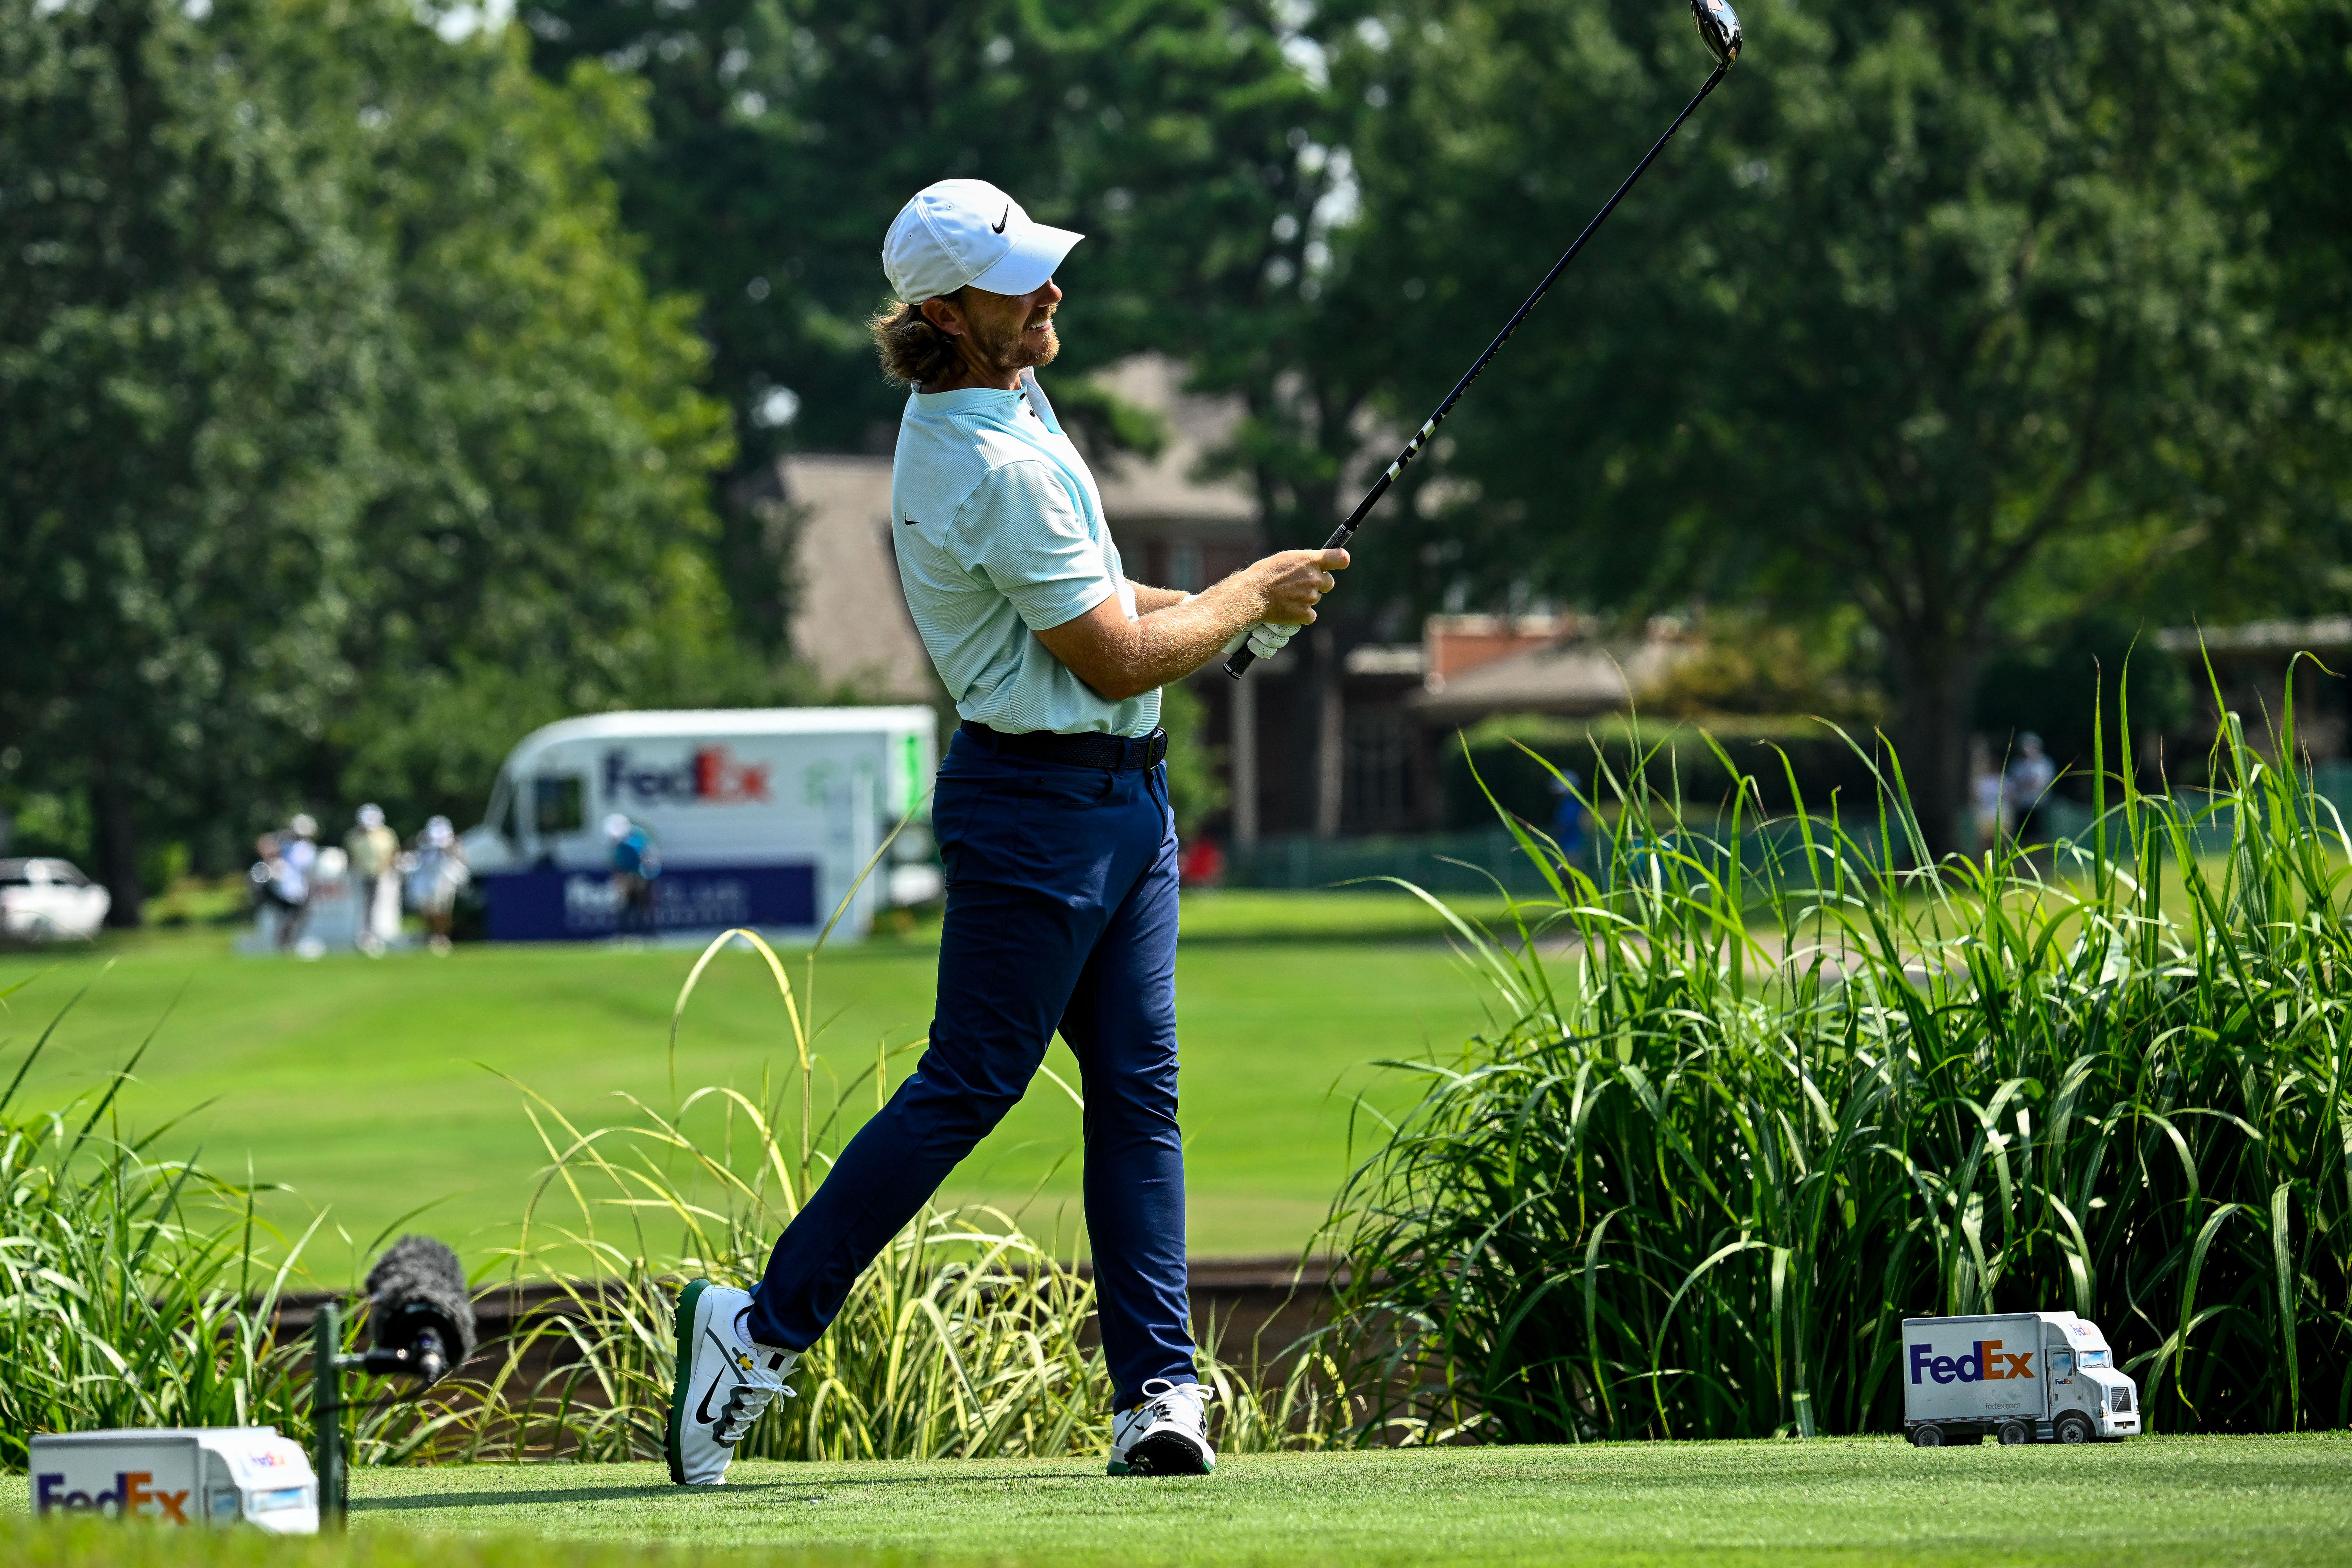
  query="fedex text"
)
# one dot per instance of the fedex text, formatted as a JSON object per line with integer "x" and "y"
{"x": 711, "y": 776}
{"x": 134, "y": 1493}
{"x": 1987, "y": 1364}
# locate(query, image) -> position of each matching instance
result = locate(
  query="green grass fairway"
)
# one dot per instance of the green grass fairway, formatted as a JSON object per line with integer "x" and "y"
{"x": 2157, "y": 1501}
{"x": 369, "y": 1086}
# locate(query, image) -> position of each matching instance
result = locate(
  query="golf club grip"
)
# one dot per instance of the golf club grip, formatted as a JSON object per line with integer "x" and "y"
{"x": 1242, "y": 657}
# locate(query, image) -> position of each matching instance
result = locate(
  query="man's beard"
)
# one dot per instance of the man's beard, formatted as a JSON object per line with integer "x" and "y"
{"x": 1013, "y": 347}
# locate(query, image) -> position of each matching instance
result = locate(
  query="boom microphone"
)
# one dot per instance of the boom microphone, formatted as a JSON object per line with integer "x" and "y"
{"x": 422, "y": 1321}
{"x": 419, "y": 1313}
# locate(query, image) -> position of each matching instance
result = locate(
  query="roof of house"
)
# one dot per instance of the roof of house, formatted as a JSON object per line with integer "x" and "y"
{"x": 1170, "y": 488}
{"x": 1573, "y": 676}
{"x": 2327, "y": 633}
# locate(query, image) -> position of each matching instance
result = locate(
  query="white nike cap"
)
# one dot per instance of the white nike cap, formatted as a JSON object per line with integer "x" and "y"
{"x": 961, "y": 232}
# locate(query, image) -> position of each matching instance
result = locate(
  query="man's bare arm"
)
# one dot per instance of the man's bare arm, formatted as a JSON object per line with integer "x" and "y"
{"x": 1120, "y": 658}
{"x": 1149, "y": 599}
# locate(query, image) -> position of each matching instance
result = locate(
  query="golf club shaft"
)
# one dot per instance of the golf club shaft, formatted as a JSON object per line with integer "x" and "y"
{"x": 1242, "y": 657}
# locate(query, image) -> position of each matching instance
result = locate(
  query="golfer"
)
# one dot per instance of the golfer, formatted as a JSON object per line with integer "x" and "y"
{"x": 1053, "y": 824}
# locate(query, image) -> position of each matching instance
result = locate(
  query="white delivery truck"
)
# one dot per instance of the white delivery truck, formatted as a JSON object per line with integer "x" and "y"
{"x": 184, "y": 1474}
{"x": 760, "y": 817}
{"x": 2023, "y": 1377}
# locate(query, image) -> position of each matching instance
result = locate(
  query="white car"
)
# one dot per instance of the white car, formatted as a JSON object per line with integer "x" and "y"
{"x": 43, "y": 899}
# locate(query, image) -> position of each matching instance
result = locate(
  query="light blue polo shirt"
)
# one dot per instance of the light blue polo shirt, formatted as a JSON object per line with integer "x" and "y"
{"x": 1000, "y": 530}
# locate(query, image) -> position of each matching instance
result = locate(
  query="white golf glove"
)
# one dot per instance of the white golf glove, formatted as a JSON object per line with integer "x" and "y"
{"x": 1265, "y": 639}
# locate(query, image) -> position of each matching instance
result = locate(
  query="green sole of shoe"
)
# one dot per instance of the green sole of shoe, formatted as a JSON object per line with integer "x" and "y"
{"x": 683, "y": 1323}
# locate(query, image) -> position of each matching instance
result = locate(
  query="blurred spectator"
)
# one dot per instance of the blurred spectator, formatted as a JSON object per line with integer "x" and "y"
{"x": 437, "y": 872}
{"x": 1203, "y": 864}
{"x": 372, "y": 848}
{"x": 279, "y": 887}
{"x": 299, "y": 845}
{"x": 1568, "y": 816}
{"x": 635, "y": 866}
{"x": 2028, "y": 779}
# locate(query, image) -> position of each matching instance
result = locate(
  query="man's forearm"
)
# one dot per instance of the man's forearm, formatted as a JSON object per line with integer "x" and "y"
{"x": 1175, "y": 634}
{"x": 1122, "y": 658}
{"x": 1187, "y": 631}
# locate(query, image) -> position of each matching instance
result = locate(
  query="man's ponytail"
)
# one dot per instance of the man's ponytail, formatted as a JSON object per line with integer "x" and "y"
{"x": 912, "y": 350}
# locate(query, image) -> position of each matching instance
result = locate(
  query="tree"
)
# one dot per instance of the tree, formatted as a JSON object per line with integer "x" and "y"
{"x": 540, "y": 541}
{"x": 1933, "y": 305}
{"x": 1195, "y": 142}
{"x": 784, "y": 135}
{"x": 344, "y": 439}
{"x": 1176, "y": 133}
{"x": 186, "y": 389}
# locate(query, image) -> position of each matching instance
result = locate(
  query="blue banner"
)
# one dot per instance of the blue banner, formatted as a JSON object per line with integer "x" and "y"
{"x": 549, "y": 905}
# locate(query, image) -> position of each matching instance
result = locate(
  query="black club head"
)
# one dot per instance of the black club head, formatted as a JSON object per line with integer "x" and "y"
{"x": 1718, "y": 29}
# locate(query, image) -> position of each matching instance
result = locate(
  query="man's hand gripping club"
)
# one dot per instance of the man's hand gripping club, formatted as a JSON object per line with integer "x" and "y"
{"x": 1175, "y": 634}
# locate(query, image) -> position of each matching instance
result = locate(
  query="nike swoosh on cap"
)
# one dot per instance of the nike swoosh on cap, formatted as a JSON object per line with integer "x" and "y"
{"x": 998, "y": 227}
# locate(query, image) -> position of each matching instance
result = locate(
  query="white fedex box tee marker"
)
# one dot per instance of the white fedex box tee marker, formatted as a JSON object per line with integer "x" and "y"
{"x": 2022, "y": 1377}
{"x": 178, "y": 1475}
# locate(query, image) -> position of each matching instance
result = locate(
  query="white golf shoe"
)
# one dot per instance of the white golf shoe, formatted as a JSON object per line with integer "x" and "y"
{"x": 1166, "y": 1435}
{"x": 722, "y": 1384}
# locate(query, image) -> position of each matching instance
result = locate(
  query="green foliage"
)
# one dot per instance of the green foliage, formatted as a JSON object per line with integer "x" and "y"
{"x": 1196, "y": 783}
{"x": 189, "y": 354}
{"x": 1514, "y": 763}
{"x": 1749, "y": 662}
{"x": 134, "y": 1290}
{"x": 329, "y": 381}
{"x": 1176, "y": 134}
{"x": 1932, "y": 306}
{"x": 2068, "y": 691}
{"x": 1765, "y": 1111}
{"x": 128, "y": 1301}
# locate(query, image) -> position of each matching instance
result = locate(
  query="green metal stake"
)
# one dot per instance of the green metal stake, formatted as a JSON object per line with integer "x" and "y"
{"x": 327, "y": 1414}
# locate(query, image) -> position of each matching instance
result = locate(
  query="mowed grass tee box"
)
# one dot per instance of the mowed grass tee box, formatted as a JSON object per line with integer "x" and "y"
{"x": 1851, "y": 1503}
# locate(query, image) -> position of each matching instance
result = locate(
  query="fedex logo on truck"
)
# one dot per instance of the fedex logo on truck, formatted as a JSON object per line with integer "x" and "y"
{"x": 1988, "y": 1363}
{"x": 711, "y": 776}
{"x": 134, "y": 1490}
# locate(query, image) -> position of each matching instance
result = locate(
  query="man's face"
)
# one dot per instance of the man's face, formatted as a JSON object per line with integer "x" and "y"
{"x": 1005, "y": 332}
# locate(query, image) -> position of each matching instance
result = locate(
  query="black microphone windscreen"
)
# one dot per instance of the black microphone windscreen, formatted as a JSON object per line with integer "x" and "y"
{"x": 418, "y": 1284}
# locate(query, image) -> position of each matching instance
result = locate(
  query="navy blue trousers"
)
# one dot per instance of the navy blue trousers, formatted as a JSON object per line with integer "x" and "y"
{"x": 1061, "y": 914}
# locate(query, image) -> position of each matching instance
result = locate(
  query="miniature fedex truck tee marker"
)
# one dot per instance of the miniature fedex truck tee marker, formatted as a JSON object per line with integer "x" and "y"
{"x": 211, "y": 1476}
{"x": 2023, "y": 1377}
{"x": 760, "y": 817}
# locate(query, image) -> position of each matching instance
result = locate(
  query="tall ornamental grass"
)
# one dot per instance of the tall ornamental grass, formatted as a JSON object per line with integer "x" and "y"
{"x": 967, "y": 1338}
{"x": 133, "y": 1290}
{"x": 1760, "y": 1095}
{"x": 133, "y": 1293}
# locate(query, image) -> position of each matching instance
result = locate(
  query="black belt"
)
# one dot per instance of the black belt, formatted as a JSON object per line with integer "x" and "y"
{"x": 1116, "y": 752}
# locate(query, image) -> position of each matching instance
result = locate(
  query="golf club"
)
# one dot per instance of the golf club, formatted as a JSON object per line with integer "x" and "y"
{"x": 1718, "y": 28}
